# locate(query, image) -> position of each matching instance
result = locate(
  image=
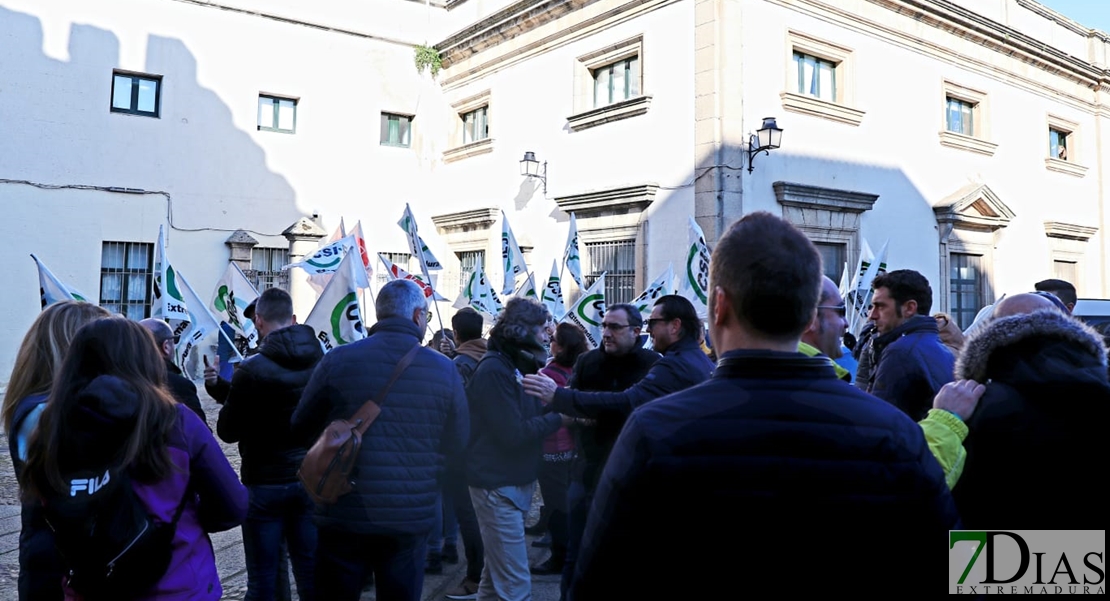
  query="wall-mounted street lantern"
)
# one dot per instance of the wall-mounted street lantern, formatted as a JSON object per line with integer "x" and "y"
{"x": 532, "y": 168}
{"x": 765, "y": 139}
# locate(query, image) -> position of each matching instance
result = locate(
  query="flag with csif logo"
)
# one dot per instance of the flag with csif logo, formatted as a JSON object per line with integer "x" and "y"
{"x": 552, "y": 294}
{"x": 234, "y": 292}
{"x": 512, "y": 257}
{"x": 696, "y": 285}
{"x": 337, "y": 316}
{"x": 328, "y": 258}
{"x": 51, "y": 289}
{"x": 588, "y": 311}
{"x": 417, "y": 247}
{"x": 168, "y": 303}
{"x": 479, "y": 294}
{"x": 658, "y": 288}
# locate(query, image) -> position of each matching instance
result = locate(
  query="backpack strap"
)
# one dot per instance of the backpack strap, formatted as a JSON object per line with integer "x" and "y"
{"x": 184, "y": 501}
{"x": 370, "y": 410}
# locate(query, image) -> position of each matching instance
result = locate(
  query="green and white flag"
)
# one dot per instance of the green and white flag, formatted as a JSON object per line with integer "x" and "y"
{"x": 859, "y": 299}
{"x": 337, "y": 316}
{"x": 327, "y": 259}
{"x": 51, "y": 289}
{"x": 479, "y": 294}
{"x": 552, "y": 295}
{"x": 203, "y": 335}
{"x": 589, "y": 310}
{"x": 233, "y": 293}
{"x": 658, "y": 288}
{"x": 527, "y": 288}
{"x": 169, "y": 303}
{"x": 511, "y": 257}
{"x": 417, "y": 247}
{"x": 696, "y": 286}
{"x": 571, "y": 257}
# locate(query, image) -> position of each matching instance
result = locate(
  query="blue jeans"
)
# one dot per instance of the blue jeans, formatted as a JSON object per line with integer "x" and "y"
{"x": 279, "y": 512}
{"x": 343, "y": 559}
{"x": 445, "y": 528}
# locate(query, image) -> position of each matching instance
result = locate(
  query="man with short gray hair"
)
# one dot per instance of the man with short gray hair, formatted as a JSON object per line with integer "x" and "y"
{"x": 382, "y": 524}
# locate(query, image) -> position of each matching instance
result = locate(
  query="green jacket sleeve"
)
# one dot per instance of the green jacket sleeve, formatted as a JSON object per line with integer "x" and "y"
{"x": 945, "y": 434}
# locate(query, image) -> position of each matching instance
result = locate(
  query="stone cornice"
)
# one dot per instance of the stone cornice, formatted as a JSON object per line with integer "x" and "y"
{"x": 476, "y": 219}
{"x": 1069, "y": 231}
{"x": 515, "y": 19}
{"x": 975, "y": 206}
{"x": 611, "y": 201}
{"x": 1060, "y": 20}
{"x": 813, "y": 197}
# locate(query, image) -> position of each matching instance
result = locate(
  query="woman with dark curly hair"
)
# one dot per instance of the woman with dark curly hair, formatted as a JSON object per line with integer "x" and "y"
{"x": 507, "y": 428}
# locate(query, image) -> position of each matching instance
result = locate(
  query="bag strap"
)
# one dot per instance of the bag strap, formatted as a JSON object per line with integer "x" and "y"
{"x": 370, "y": 410}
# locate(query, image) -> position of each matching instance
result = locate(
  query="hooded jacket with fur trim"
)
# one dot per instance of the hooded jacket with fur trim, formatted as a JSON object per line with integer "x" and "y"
{"x": 1035, "y": 445}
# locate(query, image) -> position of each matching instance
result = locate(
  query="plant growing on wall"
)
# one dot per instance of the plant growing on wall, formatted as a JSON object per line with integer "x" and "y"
{"x": 427, "y": 57}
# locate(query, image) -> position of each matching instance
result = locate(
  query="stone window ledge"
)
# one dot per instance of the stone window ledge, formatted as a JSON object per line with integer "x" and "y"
{"x": 1060, "y": 166}
{"x": 624, "y": 109}
{"x": 808, "y": 105}
{"x": 962, "y": 142}
{"x": 468, "y": 150}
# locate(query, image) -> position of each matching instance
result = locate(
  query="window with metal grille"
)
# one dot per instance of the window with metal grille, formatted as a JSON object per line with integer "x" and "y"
{"x": 265, "y": 271}
{"x": 399, "y": 259}
{"x": 126, "y": 278}
{"x": 966, "y": 290}
{"x": 617, "y": 259}
{"x": 469, "y": 261}
{"x": 833, "y": 257}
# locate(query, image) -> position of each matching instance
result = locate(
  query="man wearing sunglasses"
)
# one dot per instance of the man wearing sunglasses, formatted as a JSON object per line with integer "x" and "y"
{"x": 823, "y": 336}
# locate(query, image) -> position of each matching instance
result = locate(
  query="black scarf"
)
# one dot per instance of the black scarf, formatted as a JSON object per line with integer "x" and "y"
{"x": 527, "y": 356}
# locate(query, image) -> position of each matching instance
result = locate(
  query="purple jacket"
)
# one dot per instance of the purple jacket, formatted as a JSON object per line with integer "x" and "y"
{"x": 219, "y": 500}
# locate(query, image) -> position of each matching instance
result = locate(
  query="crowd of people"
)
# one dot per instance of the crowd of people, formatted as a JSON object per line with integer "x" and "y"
{"x": 738, "y": 446}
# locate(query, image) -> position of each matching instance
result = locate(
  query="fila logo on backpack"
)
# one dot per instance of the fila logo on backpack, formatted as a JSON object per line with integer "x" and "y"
{"x": 89, "y": 485}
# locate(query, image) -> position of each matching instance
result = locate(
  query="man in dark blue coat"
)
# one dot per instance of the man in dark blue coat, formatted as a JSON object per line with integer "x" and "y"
{"x": 816, "y": 485}
{"x": 909, "y": 362}
{"x": 382, "y": 525}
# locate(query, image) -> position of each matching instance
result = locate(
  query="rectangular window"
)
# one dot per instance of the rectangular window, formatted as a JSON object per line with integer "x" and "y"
{"x": 966, "y": 296}
{"x": 265, "y": 271}
{"x": 833, "y": 257}
{"x": 127, "y": 278}
{"x": 618, "y": 260}
{"x": 1058, "y": 143}
{"x": 136, "y": 94}
{"x": 1067, "y": 271}
{"x": 617, "y": 81}
{"x": 476, "y": 125}
{"x": 816, "y": 76}
{"x": 959, "y": 116}
{"x": 396, "y": 130}
{"x": 469, "y": 261}
{"x": 399, "y": 259}
{"x": 277, "y": 114}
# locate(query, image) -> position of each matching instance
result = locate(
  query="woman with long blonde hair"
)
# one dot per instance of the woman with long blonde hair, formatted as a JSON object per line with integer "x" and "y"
{"x": 39, "y": 357}
{"x": 110, "y": 406}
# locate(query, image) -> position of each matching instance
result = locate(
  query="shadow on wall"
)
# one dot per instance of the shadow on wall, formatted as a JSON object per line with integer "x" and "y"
{"x": 56, "y": 128}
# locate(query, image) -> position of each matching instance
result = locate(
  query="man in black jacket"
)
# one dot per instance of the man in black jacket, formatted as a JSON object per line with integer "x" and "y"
{"x": 183, "y": 391}
{"x": 264, "y": 393}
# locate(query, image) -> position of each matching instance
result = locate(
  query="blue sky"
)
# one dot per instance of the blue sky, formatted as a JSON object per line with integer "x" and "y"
{"x": 1089, "y": 13}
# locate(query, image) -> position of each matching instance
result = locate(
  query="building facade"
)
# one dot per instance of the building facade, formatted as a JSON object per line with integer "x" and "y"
{"x": 965, "y": 135}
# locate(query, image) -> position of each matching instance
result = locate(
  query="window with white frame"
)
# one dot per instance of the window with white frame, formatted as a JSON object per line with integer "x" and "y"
{"x": 819, "y": 79}
{"x": 277, "y": 114}
{"x": 136, "y": 93}
{"x": 1058, "y": 143}
{"x": 959, "y": 116}
{"x": 126, "y": 278}
{"x": 816, "y": 76}
{"x": 609, "y": 85}
{"x": 617, "y": 81}
{"x": 266, "y": 268}
{"x": 396, "y": 130}
{"x": 965, "y": 122}
{"x": 471, "y": 134}
{"x": 475, "y": 125}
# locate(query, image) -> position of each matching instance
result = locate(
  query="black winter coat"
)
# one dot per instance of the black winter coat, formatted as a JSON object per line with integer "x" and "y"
{"x": 183, "y": 390}
{"x": 1036, "y": 442}
{"x": 911, "y": 365}
{"x": 265, "y": 390}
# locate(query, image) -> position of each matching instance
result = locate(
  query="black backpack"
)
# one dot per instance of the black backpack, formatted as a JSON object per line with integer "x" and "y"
{"x": 111, "y": 546}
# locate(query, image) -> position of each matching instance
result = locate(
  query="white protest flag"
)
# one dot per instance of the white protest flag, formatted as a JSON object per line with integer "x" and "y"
{"x": 360, "y": 242}
{"x": 862, "y": 291}
{"x": 479, "y": 294}
{"x": 51, "y": 289}
{"x": 396, "y": 273}
{"x": 428, "y": 261}
{"x": 233, "y": 293}
{"x": 327, "y": 259}
{"x": 319, "y": 281}
{"x": 527, "y": 288}
{"x": 552, "y": 294}
{"x": 696, "y": 286}
{"x": 204, "y": 333}
{"x": 658, "y": 288}
{"x": 511, "y": 256}
{"x": 168, "y": 304}
{"x": 340, "y": 232}
{"x": 337, "y": 316}
{"x": 845, "y": 281}
{"x": 571, "y": 258}
{"x": 588, "y": 311}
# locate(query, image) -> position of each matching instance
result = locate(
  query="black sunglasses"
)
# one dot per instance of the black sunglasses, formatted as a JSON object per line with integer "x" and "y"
{"x": 840, "y": 310}
{"x": 651, "y": 321}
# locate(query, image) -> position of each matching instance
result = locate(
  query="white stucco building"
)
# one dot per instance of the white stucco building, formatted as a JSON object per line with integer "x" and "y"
{"x": 968, "y": 134}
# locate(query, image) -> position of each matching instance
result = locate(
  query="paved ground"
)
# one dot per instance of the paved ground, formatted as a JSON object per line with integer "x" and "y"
{"x": 228, "y": 545}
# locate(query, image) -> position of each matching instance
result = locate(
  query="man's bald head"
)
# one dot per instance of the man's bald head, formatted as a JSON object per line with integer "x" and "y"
{"x": 1022, "y": 304}
{"x": 163, "y": 335}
